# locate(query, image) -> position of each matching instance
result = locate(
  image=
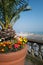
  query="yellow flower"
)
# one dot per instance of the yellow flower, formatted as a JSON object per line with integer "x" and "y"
{"x": 4, "y": 45}
{"x": 21, "y": 39}
{"x": 25, "y": 39}
{"x": 8, "y": 42}
{"x": 1, "y": 43}
{"x": 2, "y": 50}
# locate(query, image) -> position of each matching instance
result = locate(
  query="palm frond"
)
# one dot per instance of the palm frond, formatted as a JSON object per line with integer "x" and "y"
{"x": 14, "y": 19}
{"x": 11, "y": 9}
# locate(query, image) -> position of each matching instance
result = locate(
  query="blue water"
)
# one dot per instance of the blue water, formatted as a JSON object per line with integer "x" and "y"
{"x": 41, "y": 33}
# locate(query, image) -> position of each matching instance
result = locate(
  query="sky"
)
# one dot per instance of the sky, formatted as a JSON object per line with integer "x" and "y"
{"x": 31, "y": 21}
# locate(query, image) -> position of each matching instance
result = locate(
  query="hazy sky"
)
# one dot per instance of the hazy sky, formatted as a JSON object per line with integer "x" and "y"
{"x": 31, "y": 21}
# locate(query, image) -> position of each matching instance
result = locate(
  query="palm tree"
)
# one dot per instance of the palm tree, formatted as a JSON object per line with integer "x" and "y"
{"x": 10, "y": 9}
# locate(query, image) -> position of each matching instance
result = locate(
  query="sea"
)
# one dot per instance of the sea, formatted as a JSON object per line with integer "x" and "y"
{"x": 40, "y": 33}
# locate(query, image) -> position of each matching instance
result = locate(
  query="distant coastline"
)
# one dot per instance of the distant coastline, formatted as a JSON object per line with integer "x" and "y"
{"x": 35, "y": 33}
{"x": 41, "y": 33}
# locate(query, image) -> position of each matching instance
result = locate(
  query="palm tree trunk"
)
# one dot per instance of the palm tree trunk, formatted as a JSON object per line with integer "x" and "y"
{"x": 6, "y": 18}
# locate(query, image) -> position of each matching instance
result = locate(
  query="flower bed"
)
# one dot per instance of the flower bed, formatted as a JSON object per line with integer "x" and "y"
{"x": 12, "y": 45}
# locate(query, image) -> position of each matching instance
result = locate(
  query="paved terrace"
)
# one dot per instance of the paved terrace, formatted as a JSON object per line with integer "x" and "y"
{"x": 30, "y": 60}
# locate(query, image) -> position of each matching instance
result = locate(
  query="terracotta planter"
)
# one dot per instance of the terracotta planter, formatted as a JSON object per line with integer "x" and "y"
{"x": 14, "y": 58}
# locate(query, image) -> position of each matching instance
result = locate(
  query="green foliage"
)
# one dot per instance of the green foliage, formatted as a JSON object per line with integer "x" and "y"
{"x": 12, "y": 8}
{"x": 6, "y": 49}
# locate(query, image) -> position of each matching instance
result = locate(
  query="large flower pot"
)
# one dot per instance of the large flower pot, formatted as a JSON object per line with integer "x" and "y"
{"x": 14, "y": 58}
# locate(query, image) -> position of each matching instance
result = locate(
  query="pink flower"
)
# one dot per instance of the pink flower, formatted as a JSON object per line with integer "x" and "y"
{"x": 16, "y": 45}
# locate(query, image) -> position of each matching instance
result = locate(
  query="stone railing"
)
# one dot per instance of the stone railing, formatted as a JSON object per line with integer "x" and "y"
{"x": 35, "y": 49}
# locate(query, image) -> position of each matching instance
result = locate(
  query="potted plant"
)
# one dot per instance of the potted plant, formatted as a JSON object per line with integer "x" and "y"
{"x": 12, "y": 49}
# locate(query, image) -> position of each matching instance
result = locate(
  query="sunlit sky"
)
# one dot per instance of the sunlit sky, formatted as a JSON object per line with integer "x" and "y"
{"x": 31, "y": 21}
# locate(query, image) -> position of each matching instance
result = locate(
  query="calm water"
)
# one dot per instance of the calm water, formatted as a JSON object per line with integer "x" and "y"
{"x": 41, "y": 33}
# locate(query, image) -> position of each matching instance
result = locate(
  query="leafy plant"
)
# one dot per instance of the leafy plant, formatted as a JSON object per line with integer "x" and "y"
{"x": 10, "y": 9}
